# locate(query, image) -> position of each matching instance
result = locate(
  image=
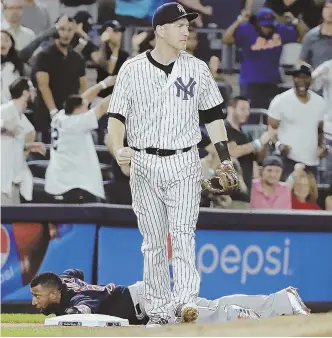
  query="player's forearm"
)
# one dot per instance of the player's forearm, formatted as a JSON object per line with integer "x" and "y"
{"x": 115, "y": 135}
{"x": 48, "y": 97}
{"x": 218, "y": 136}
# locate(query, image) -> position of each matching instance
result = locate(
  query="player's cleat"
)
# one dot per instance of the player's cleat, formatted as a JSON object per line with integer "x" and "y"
{"x": 244, "y": 313}
{"x": 187, "y": 313}
{"x": 299, "y": 308}
{"x": 156, "y": 322}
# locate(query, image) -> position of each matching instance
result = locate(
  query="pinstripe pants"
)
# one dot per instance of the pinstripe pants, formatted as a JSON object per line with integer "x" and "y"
{"x": 166, "y": 196}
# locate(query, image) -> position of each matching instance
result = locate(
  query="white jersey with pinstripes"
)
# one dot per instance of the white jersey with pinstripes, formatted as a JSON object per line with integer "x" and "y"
{"x": 162, "y": 111}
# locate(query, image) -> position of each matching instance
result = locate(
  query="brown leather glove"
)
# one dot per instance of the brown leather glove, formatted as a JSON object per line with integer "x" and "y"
{"x": 224, "y": 181}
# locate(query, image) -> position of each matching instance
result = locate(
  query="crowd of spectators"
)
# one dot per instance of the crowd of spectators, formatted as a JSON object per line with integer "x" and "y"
{"x": 48, "y": 70}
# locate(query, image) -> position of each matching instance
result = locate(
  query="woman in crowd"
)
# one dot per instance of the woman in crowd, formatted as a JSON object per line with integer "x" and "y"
{"x": 11, "y": 65}
{"x": 304, "y": 191}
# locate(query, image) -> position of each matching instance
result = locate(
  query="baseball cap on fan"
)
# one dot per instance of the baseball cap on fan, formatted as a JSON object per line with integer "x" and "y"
{"x": 302, "y": 68}
{"x": 169, "y": 13}
{"x": 114, "y": 24}
{"x": 85, "y": 18}
{"x": 266, "y": 17}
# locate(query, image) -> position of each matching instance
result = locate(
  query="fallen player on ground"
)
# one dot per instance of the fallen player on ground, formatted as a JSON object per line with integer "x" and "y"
{"x": 68, "y": 293}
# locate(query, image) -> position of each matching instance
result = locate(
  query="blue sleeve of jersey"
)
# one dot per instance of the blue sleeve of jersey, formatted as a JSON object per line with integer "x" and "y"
{"x": 86, "y": 300}
{"x": 73, "y": 273}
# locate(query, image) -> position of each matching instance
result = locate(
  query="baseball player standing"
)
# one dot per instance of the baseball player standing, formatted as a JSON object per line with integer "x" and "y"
{"x": 159, "y": 98}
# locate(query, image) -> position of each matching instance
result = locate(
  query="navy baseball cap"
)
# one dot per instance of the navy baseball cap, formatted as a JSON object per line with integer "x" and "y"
{"x": 85, "y": 18}
{"x": 300, "y": 69}
{"x": 169, "y": 13}
{"x": 117, "y": 27}
{"x": 266, "y": 17}
{"x": 273, "y": 161}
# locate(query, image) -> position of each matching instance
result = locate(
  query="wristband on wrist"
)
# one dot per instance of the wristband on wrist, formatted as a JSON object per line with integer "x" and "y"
{"x": 103, "y": 84}
{"x": 257, "y": 144}
{"x": 53, "y": 112}
{"x": 222, "y": 150}
{"x": 113, "y": 57}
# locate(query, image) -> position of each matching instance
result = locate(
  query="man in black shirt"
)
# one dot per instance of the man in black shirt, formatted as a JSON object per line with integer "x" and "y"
{"x": 60, "y": 72}
{"x": 241, "y": 145}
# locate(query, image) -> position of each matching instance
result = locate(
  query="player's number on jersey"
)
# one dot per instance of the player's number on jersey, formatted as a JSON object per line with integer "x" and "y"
{"x": 55, "y": 136}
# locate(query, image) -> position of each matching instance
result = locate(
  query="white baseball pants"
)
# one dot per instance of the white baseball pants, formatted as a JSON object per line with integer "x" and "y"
{"x": 166, "y": 196}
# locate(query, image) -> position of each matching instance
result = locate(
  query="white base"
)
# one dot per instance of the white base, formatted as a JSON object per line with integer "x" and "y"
{"x": 91, "y": 320}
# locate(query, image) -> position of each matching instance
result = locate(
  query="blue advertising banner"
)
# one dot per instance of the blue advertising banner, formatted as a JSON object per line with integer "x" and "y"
{"x": 30, "y": 248}
{"x": 251, "y": 262}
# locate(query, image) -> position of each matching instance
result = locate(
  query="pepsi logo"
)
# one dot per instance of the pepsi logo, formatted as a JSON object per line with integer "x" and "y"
{"x": 5, "y": 245}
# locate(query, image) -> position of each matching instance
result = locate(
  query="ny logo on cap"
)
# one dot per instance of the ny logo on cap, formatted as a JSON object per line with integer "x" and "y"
{"x": 181, "y": 9}
{"x": 187, "y": 89}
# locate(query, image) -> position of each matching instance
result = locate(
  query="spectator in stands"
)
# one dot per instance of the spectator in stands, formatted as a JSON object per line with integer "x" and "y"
{"x": 240, "y": 145}
{"x": 317, "y": 44}
{"x": 17, "y": 140}
{"x": 81, "y": 41}
{"x": 13, "y": 11}
{"x": 111, "y": 55}
{"x": 73, "y": 174}
{"x": 310, "y": 10}
{"x": 261, "y": 39}
{"x": 11, "y": 65}
{"x": 60, "y": 72}
{"x": 35, "y": 16}
{"x": 110, "y": 59}
{"x": 304, "y": 191}
{"x": 298, "y": 115}
{"x": 268, "y": 192}
{"x": 322, "y": 79}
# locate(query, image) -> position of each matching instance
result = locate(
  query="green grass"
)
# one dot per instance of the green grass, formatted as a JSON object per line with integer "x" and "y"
{"x": 16, "y": 318}
{"x": 48, "y": 332}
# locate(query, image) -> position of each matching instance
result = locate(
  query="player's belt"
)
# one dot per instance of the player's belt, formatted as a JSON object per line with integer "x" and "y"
{"x": 162, "y": 152}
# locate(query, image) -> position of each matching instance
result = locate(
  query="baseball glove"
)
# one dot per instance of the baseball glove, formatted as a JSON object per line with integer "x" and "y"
{"x": 224, "y": 181}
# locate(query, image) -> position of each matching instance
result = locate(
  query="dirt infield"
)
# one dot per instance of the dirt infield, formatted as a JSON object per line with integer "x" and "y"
{"x": 317, "y": 325}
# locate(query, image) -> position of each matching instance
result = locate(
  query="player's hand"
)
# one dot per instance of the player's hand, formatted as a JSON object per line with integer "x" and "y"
{"x": 123, "y": 156}
{"x": 224, "y": 181}
{"x": 72, "y": 311}
{"x": 125, "y": 170}
{"x": 36, "y": 147}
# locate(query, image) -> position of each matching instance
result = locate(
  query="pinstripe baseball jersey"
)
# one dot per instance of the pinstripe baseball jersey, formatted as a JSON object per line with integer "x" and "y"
{"x": 162, "y": 110}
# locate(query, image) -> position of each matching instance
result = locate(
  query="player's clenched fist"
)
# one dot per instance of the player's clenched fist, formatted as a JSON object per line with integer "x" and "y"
{"x": 224, "y": 181}
{"x": 123, "y": 156}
